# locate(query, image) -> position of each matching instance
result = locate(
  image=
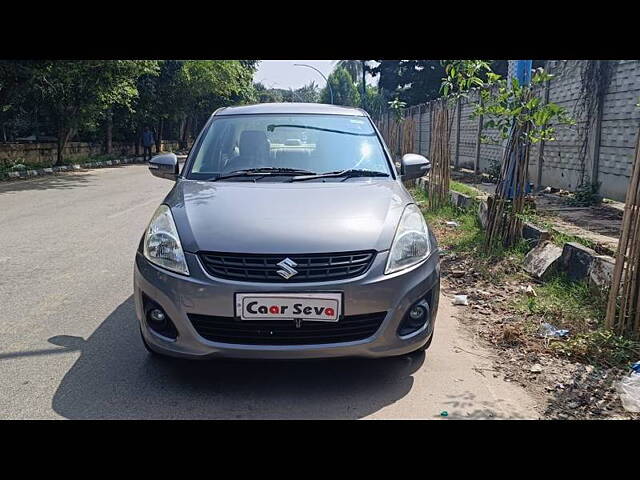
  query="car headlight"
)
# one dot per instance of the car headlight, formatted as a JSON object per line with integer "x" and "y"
{"x": 162, "y": 243}
{"x": 411, "y": 244}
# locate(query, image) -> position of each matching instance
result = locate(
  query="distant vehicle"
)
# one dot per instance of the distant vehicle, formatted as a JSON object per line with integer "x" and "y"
{"x": 272, "y": 250}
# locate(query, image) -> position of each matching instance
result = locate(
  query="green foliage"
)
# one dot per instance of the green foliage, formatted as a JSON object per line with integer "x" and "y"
{"x": 66, "y": 98}
{"x": 411, "y": 81}
{"x": 585, "y": 195}
{"x": 572, "y": 305}
{"x": 503, "y": 104}
{"x": 565, "y": 304}
{"x": 354, "y": 67}
{"x": 494, "y": 170}
{"x": 344, "y": 89}
{"x": 397, "y": 107}
{"x": 463, "y": 75}
{"x": 601, "y": 346}
{"x": 309, "y": 93}
{"x": 464, "y": 189}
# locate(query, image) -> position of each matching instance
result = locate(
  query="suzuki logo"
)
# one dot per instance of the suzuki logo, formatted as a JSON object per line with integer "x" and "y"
{"x": 287, "y": 268}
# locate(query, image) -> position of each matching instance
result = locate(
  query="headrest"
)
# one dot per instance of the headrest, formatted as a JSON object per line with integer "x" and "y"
{"x": 254, "y": 143}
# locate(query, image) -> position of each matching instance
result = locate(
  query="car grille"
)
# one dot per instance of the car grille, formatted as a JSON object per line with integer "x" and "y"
{"x": 264, "y": 268}
{"x": 284, "y": 332}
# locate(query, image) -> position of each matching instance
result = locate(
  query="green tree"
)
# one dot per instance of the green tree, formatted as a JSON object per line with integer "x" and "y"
{"x": 308, "y": 93}
{"x": 15, "y": 81}
{"x": 344, "y": 89}
{"x": 76, "y": 93}
{"x": 266, "y": 95}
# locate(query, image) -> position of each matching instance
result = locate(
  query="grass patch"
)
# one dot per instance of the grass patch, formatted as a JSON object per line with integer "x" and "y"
{"x": 560, "y": 302}
{"x": 572, "y": 305}
{"x": 557, "y": 237}
{"x": 565, "y": 304}
{"x": 464, "y": 189}
{"x": 468, "y": 237}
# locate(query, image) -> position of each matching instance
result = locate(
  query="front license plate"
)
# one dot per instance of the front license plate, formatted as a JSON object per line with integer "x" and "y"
{"x": 319, "y": 307}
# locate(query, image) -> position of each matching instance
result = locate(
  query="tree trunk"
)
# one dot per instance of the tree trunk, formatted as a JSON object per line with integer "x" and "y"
{"x": 108, "y": 141}
{"x": 137, "y": 142}
{"x": 185, "y": 133}
{"x": 159, "y": 136}
{"x": 183, "y": 125}
{"x": 63, "y": 138}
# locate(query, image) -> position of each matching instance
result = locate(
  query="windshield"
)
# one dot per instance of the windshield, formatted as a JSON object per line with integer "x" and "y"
{"x": 310, "y": 144}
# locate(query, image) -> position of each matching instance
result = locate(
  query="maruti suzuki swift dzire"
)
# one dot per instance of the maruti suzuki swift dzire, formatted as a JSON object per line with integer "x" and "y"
{"x": 288, "y": 234}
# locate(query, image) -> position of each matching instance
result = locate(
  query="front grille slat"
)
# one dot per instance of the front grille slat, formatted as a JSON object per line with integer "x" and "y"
{"x": 284, "y": 332}
{"x": 264, "y": 268}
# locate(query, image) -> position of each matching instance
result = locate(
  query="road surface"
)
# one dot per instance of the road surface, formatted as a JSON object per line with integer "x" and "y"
{"x": 70, "y": 348}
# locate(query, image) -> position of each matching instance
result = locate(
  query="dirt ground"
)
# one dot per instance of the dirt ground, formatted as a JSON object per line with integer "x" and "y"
{"x": 599, "y": 224}
{"x": 570, "y": 390}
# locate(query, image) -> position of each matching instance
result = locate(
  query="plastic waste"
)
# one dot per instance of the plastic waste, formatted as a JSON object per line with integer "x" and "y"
{"x": 461, "y": 300}
{"x": 453, "y": 224}
{"x": 629, "y": 390}
{"x": 444, "y": 413}
{"x": 549, "y": 331}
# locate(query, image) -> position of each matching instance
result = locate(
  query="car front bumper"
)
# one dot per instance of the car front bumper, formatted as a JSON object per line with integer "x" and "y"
{"x": 202, "y": 294}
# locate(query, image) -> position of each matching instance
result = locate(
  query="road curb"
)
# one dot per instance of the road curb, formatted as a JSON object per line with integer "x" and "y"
{"x": 69, "y": 168}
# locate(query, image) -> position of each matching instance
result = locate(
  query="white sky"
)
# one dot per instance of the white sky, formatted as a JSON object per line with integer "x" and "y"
{"x": 283, "y": 74}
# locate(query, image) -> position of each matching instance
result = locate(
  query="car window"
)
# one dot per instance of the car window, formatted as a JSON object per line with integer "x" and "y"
{"x": 316, "y": 143}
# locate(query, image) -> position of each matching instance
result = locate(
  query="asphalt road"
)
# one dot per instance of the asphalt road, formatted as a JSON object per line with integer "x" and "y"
{"x": 70, "y": 348}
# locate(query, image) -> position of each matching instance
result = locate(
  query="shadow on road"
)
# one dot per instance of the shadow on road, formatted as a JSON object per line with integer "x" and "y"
{"x": 62, "y": 181}
{"x": 116, "y": 378}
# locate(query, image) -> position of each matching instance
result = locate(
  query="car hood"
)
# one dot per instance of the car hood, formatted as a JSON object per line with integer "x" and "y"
{"x": 307, "y": 217}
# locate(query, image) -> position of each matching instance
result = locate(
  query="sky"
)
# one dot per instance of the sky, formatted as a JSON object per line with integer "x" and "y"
{"x": 283, "y": 74}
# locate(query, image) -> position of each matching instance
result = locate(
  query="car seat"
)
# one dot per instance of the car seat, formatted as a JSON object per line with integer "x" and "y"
{"x": 254, "y": 151}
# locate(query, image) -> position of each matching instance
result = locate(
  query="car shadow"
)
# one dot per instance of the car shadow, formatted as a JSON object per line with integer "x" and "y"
{"x": 60, "y": 181}
{"x": 115, "y": 378}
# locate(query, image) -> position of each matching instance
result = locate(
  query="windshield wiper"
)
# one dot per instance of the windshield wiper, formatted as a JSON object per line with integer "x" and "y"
{"x": 271, "y": 128}
{"x": 349, "y": 173}
{"x": 262, "y": 171}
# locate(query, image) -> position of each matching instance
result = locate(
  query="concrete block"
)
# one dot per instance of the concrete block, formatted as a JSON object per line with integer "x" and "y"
{"x": 534, "y": 234}
{"x": 576, "y": 261}
{"x": 460, "y": 200}
{"x": 542, "y": 260}
{"x": 601, "y": 272}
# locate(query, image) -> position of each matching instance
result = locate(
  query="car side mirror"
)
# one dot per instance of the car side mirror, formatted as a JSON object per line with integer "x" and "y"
{"x": 164, "y": 166}
{"x": 414, "y": 166}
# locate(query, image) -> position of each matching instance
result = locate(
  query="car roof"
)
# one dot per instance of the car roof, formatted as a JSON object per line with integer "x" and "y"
{"x": 309, "y": 108}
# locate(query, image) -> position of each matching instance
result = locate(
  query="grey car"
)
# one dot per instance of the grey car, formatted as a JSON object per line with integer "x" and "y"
{"x": 288, "y": 234}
